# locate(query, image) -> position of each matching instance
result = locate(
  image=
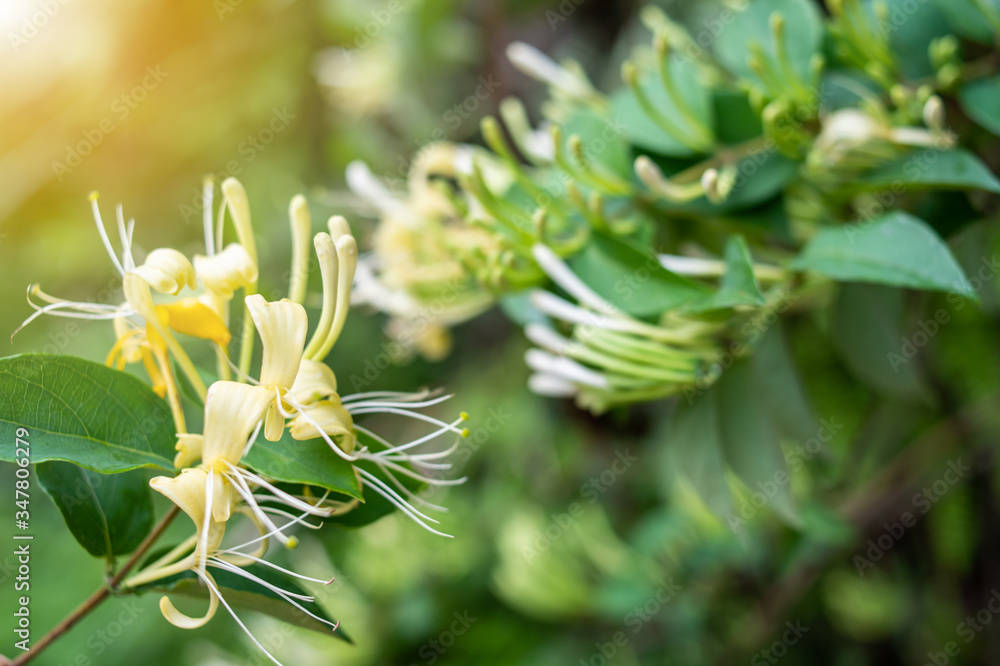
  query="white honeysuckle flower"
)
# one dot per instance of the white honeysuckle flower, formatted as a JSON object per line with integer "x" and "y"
{"x": 541, "y": 67}
{"x": 282, "y": 327}
{"x": 227, "y": 271}
{"x": 194, "y": 493}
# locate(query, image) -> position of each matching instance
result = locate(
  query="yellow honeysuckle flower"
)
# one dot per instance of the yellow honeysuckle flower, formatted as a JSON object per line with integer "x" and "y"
{"x": 226, "y": 271}
{"x": 327, "y": 416}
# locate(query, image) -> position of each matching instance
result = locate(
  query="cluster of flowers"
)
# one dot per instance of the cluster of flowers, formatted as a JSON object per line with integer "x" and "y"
{"x": 294, "y": 390}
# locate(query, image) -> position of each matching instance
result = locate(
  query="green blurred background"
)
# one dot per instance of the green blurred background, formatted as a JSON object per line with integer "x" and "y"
{"x": 567, "y": 551}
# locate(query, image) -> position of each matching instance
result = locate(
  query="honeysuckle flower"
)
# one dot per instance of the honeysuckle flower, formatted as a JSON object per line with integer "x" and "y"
{"x": 195, "y": 493}
{"x": 853, "y": 141}
{"x": 611, "y": 358}
{"x": 418, "y": 272}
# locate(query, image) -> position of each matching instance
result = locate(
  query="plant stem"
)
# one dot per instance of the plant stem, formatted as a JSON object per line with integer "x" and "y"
{"x": 100, "y": 595}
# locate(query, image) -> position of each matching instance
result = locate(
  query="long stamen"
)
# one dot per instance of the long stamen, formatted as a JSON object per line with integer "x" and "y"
{"x": 284, "y": 594}
{"x": 104, "y": 234}
{"x": 125, "y": 236}
{"x": 207, "y": 194}
{"x": 393, "y": 497}
{"x": 215, "y": 590}
{"x": 304, "y": 413}
{"x": 413, "y": 415}
{"x": 414, "y": 405}
{"x": 387, "y": 394}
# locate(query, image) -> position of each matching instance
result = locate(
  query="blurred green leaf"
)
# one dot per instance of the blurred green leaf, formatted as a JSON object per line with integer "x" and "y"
{"x": 738, "y": 285}
{"x": 749, "y": 442}
{"x": 694, "y": 450}
{"x": 896, "y": 249}
{"x": 108, "y": 514}
{"x": 867, "y": 328}
{"x": 630, "y": 280}
{"x": 931, "y": 169}
{"x": 981, "y": 101}
{"x": 644, "y": 132}
{"x": 751, "y": 24}
{"x": 83, "y": 412}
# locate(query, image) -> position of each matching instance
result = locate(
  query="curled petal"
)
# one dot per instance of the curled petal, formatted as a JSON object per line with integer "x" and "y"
{"x": 188, "y": 449}
{"x": 232, "y": 411}
{"x": 167, "y": 271}
{"x": 179, "y": 619}
{"x": 231, "y": 269}
{"x": 282, "y": 326}
{"x": 314, "y": 381}
{"x": 332, "y": 418}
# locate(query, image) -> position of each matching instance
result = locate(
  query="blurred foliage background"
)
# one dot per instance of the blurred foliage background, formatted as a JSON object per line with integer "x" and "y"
{"x": 568, "y": 551}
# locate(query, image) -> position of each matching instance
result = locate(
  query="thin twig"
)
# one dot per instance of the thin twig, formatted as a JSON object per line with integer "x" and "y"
{"x": 100, "y": 595}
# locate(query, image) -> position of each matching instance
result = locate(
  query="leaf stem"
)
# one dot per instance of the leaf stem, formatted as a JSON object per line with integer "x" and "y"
{"x": 100, "y": 595}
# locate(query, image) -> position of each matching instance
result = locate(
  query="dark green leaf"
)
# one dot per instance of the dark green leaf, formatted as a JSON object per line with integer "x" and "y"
{"x": 634, "y": 282}
{"x": 693, "y": 450}
{"x": 780, "y": 388}
{"x": 897, "y": 249}
{"x": 751, "y": 24}
{"x": 738, "y": 285}
{"x": 967, "y": 20}
{"x": 867, "y": 329}
{"x": 83, "y": 412}
{"x": 309, "y": 462}
{"x": 749, "y": 442}
{"x": 981, "y": 101}
{"x": 645, "y": 132}
{"x": 109, "y": 514}
{"x": 931, "y": 169}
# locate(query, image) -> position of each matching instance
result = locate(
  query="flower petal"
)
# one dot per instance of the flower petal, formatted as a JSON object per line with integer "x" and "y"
{"x": 282, "y": 326}
{"x": 232, "y": 411}
{"x": 229, "y": 270}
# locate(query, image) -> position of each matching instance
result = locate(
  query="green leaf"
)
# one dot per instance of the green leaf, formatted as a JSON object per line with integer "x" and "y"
{"x": 866, "y": 327}
{"x": 109, "y": 514}
{"x": 911, "y": 27}
{"x": 931, "y": 169}
{"x": 245, "y": 594}
{"x": 749, "y": 442}
{"x": 738, "y": 285}
{"x": 83, "y": 412}
{"x": 693, "y": 450}
{"x": 641, "y": 130}
{"x": 751, "y": 24}
{"x": 967, "y": 20}
{"x": 981, "y": 102}
{"x": 741, "y": 122}
{"x": 782, "y": 393}
{"x": 602, "y": 141}
{"x": 632, "y": 281}
{"x": 897, "y": 249}
{"x": 309, "y": 462}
